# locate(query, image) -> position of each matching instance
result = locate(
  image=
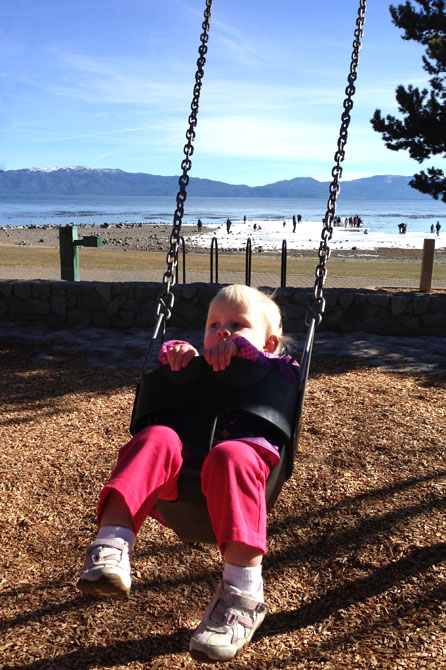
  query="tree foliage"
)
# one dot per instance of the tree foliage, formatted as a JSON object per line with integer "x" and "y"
{"x": 422, "y": 128}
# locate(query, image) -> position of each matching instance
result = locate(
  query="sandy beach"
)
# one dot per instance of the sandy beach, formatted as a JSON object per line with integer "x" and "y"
{"x": 269, "y": 237}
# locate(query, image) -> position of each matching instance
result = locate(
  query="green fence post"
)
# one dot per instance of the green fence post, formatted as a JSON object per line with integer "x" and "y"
{"x": 89, "y": 241}
{"x": 69, "y": 253}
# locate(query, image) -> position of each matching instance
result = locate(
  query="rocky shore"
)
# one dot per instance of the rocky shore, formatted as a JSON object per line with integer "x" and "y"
{"x": 121, "y": 236}
{"x": 155, "y": 237}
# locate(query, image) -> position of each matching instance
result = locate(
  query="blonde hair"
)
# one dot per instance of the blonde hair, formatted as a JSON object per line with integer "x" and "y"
{"x": 245, "y": 296}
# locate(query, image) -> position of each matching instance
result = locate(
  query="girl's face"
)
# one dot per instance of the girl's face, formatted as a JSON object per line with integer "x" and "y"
{"x": 226, "y": 319}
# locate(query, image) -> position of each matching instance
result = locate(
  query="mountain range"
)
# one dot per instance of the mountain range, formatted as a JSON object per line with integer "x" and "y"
{"x": 89, "y": 181}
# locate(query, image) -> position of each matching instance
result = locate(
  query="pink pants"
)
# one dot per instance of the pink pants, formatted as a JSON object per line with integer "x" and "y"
{"x": 233, "y": 480}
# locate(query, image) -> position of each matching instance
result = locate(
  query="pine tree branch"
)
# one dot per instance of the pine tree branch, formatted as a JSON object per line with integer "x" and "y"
{"x": 433, "y": 182}
{"x": 421, "y": 130}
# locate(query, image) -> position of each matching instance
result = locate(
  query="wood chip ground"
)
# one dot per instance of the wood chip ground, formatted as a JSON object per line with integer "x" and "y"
{"x": 355, "y": 576}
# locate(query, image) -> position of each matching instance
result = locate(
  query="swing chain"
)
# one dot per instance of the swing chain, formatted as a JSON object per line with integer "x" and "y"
{"x": 316, "y": 307}
{"x": 166, "y": 298}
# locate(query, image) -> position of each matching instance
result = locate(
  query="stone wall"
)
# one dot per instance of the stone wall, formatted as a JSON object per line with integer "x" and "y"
{"x": 61, "y": 304}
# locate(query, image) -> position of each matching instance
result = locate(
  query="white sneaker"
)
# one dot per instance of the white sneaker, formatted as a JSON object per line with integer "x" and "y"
{"x": 227, "y": 626}
{"x": 106, "y": 570}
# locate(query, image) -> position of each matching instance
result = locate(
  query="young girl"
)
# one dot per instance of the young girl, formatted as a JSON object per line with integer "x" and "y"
{"x": 243, "y": 322}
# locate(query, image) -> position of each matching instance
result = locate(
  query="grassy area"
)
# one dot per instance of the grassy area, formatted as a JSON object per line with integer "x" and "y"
{"x": 14, "y": 256}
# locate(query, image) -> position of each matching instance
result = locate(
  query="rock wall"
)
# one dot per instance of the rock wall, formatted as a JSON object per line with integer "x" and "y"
{"x": 62, "y": 304}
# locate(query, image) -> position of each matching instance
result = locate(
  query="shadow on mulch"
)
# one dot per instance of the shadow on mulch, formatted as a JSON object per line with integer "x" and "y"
{"x": 110, "y": 656}
{"x": 324, "y": 365}
{"x": 329, "y": 605}
{"x": 36, "y": 382}
{"x": 62, "y": 372}
{"x": 355, "y": 572}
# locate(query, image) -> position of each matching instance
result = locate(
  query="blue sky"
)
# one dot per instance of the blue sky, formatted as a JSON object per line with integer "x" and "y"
{"x": 108, "y": 84}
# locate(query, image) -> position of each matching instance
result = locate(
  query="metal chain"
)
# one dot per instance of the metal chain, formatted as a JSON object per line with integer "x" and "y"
{"x": 317, "y": 303}
{"x": 166, "y": 297}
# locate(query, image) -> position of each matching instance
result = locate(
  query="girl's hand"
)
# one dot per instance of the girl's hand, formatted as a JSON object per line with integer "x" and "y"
{"x": 220, "y": 354}
{"x": 180, "y": 355}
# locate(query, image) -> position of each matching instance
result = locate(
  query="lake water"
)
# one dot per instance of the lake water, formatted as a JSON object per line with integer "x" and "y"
{"x": 378, "y": 215}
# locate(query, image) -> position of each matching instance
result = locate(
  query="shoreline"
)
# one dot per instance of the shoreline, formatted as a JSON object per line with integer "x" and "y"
{"x": 154, "y": 237}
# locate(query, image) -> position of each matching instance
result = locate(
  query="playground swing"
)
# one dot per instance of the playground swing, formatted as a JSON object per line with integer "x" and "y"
{"x": 197, "y": 394}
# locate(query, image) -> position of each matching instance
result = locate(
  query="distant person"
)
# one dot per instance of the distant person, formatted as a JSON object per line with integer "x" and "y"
{"x": 294, "y": 223}
{"x": 432, "y": 228}
{"x": 199, "y": 225}
{"x": 228, "y": 225}
{"x": 284, "y": 224}
{"x": 438, "y": 228}
{"x": 244, "y": 219}
{"x": 299, "y": 218}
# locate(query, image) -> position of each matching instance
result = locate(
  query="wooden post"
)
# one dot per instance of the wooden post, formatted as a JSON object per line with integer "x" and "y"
{"x": 427, "y": 265}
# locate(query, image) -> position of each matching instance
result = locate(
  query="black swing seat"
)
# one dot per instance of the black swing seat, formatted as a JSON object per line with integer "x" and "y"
{"x": 191, "y": 401}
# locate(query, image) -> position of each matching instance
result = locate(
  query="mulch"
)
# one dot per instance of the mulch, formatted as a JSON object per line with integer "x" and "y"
{"x": 355, "y": 575}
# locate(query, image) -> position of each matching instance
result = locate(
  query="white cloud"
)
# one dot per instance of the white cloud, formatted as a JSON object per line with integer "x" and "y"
{"x": 250, "y": 136}
{"x": 104, "y": 133}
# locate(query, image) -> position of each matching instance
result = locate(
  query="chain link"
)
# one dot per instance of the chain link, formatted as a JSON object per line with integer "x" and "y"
{"x": 317, "y": 303}
{"x": 316, "y": 307}
{"x": 166, "y": 297}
